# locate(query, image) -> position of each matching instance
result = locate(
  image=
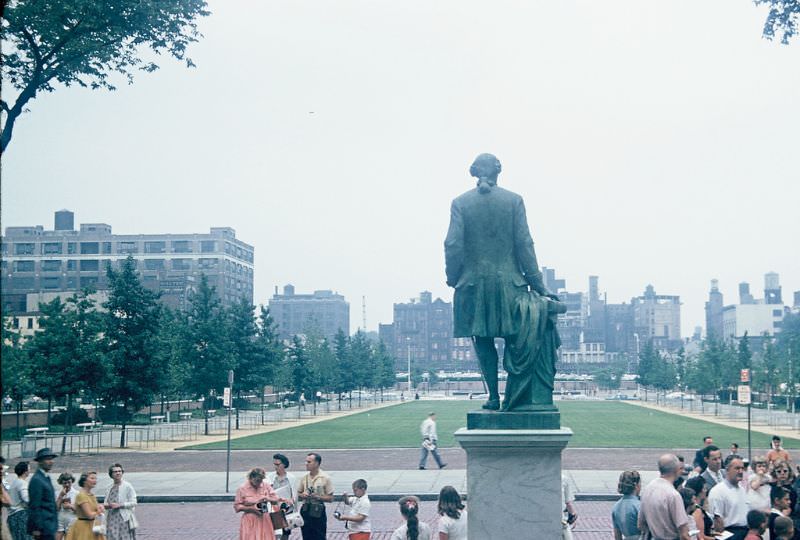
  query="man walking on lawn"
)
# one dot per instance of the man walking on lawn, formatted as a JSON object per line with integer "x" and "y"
{"x": 430, "y": 442}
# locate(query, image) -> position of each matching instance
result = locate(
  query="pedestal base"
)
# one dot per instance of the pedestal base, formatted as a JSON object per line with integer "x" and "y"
{"x": 514, "y": 482}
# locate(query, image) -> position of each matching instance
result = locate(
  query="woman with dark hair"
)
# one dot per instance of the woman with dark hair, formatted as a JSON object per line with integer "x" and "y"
{"x": 412, "y": 529}
{"x": 283, "y": 483}
{"x": 18, "y": 513}
{"x": 251, "y": 499}
{"x": 702, "y": 521}
{"x": 87, "y": 510}
{"x": 65, "y": 503}
{"x": 453, "y": 517}
{"x": 689, "y": 504}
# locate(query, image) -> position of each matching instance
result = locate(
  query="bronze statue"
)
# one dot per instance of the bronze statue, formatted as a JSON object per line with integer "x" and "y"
{"x": 499, "y": 292}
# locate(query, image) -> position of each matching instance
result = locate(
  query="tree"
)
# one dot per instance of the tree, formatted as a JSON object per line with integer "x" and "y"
{"x": 67, "y": 353}
{"x": 83, "y": 42}
{"x": 782, "y": 19}
{"x": 270, "y": 350}
{"x": 384, "y": 376}
{"x": 768, "y": 369}
{"x": 787, "y": 343}
{"x": 137, "y": 371}
{"x": 16, "y": 368}
{"x": 648, "y": 364}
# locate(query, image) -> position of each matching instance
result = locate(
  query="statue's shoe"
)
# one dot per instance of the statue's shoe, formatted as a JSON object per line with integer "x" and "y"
{"x": 492, "y": 405}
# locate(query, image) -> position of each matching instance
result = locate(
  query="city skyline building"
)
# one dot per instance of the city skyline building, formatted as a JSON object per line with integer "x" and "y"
{"x": 322, "y": 311}
{"x": 39, "y": 264}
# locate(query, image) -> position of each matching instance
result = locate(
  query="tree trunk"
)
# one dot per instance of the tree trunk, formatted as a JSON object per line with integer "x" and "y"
{"x": 122, "y": 434}
{"x": 49, "y": 408}
{"x": 262, "y": 407}
{"x": 66, "y": 424}
{"x": 19, "y": 413}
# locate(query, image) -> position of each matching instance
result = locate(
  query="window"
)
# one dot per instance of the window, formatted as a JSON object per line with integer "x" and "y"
{"x": 90, "y": 248}
{"x": 777, "y": 312}
{"x": 51, "y": 282}
{"x": 72, "y": 282}
{"x": 208, "y": 246}
{"x": 24, "y": 283}
{"x": 72, "y": 248}
{"x": 182, "y": 246}
{"x": 155, "y": 247}
{"x": 154, "y": 264}
{"x": 89, "y": 282}
{"x": 52, "y": 248}
{"x": 72, "y": 265}
{"x": 23, "y": 249}
{"x": 106, "y": 248}
{"x": 23, "y": 266}
{"x": 127, "y": 247}
{"x": 181, "y": 264}
{"x": 51, "y": 266}
{"x": 90, "y": 265}
{"x": 30, "y": 323}
{"x": 208, "y": 263}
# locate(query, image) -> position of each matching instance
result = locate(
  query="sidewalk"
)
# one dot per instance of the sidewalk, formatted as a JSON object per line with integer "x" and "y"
{"x": 383, "y": 484}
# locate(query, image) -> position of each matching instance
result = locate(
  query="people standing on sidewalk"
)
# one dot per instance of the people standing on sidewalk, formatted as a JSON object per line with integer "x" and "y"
{"x": 65, "y": 503}
{"x": 87, "y": 510}
{"x": 699, "y": 463}
{"x": 315, "y": 489}
{"x": 452, "y": 516}
{"x": 661, "y": 514}
{"x": 625, "y": 513}
{"x": 357, "y": 517}
{"x": 251, "y": 499}
{"x": 430, "y": 442}
{"x": 702, "y": 520}
{"x": 728, "y": 501}
{"x": 712, "y": 457}
{"x": 569, "y": 515}
{"x": 759, "y": 483}
{"x": 18, "y": 513}
{"x": 784, "y": 476}
{"x": 756, "y": 525}
{"x": 777, "y": 453}
{"x": 42, "y": 512}
{"x": 5, "y": 502}
{"x": 120, "y": 503}
{"x": 413, "y": 528}
{"x": 784, "y": 529}
{"x": 283, "y": 482}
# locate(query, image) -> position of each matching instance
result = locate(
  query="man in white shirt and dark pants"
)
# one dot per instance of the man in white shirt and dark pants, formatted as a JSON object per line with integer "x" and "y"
{"x": 727, "y": 501}
{"x": 429, "y": 442}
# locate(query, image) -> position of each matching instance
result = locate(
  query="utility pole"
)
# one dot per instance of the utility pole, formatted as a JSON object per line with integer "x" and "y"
{"x": 229, "y": 399}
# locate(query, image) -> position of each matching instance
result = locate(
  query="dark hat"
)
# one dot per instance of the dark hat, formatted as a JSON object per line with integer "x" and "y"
{"x": 44, "y": 453}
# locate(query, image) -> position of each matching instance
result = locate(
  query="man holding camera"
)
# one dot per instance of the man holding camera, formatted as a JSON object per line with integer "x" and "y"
{"x": 314, "y": 490}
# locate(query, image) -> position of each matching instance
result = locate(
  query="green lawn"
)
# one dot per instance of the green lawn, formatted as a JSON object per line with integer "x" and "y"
{"x": 608, "y": 424}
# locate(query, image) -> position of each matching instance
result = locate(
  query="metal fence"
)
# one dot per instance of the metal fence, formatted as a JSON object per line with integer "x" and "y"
{"x": 147, "y": 436}
{"x": 773, "y": 417}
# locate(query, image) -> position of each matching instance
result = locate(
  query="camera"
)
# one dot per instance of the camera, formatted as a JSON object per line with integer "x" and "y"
{"x": 337, "y": 514}
{"x": 264, "y": 507}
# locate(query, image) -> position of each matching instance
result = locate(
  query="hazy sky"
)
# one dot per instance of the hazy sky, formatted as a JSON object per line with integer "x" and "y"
{"x": 653, "y": 142}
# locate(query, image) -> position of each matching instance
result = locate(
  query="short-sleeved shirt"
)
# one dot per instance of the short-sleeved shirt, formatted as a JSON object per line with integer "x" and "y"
{"x": 729, "y": 501}
{"x": 359, "y": 505}
{"x": 625, "y": 515}
{"x": 662, "y": 510}
{"x": 455, "y": 529}
{"x": 321, "y": 484}
{"x": 401, "y": 533}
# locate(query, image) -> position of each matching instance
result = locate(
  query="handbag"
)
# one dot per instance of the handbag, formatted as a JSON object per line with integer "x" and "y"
{"x": 99, "y": 525}
{"x": 278, "y": 520}
{"x": 295, "y": 520}
{"x": 314, "y": 509}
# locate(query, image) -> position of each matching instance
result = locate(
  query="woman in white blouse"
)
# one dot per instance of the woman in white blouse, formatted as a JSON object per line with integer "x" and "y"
{"x": 453, "y": 517}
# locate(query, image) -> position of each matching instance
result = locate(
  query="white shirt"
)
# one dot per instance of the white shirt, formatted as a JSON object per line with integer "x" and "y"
{"x": 455, "y": 529}
{"x": 19, "y": 495}
{"x": 359, "y": 505}
{"x": 428, "y": 429}
{"x": 401, "y": 533}
{"x": 730, "y": 503}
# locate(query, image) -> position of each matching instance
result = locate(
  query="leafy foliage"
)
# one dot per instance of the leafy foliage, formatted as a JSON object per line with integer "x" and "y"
{"x": 83, "y": 42}
{"x": 782, "y": 19}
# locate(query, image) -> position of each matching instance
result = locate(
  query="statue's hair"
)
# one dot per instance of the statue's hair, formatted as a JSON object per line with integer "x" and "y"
{"x": 483, "y": 160}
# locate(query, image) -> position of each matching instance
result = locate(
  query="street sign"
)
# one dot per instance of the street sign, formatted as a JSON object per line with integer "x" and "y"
{"x": 744, "y": 394}
{"x": 226, "y": 397}
{"x": 744, "y": 375}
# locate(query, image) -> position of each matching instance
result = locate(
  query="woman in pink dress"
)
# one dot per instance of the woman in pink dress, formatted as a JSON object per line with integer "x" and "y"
{"x": 251, "y": 499}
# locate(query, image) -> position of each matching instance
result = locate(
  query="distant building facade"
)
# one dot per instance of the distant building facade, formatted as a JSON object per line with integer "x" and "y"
{"x": 39, "y": 264}
{"x": 322, "y": 311}
{"x": 657, "y": 318}
{"x": 714, "y": 307}
{"x": 755, "y": 317}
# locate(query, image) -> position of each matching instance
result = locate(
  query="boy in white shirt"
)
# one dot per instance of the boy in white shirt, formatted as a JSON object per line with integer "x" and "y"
{"x": 357, "y": 517}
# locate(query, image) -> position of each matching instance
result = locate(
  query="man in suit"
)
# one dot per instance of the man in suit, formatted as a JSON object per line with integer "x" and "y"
{"x": 713, "y": 475}
{"x": 42, "y": 513}
{"x": 490, "y": 261}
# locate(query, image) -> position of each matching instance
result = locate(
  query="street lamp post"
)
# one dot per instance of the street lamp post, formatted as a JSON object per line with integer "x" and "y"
{"x": 408, "y": 344}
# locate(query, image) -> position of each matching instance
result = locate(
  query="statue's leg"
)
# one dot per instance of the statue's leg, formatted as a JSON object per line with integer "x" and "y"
{"x": 487, "y": 358}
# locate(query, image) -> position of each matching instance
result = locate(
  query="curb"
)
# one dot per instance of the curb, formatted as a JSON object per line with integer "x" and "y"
{"x": 376, "y": 497}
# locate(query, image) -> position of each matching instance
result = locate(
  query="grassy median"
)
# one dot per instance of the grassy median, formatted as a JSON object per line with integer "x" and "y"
{"x": 596, "y": 424}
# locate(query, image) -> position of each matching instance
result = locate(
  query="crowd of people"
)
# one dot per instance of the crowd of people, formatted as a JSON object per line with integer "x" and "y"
{"x": 33, "y": 510}
{"x": 715, "y": 497}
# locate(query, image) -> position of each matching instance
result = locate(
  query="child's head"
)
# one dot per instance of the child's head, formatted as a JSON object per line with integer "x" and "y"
{"x": 784, "y": 528}
{"x": 757, "y": 520}
{"x": 359, "y": 487}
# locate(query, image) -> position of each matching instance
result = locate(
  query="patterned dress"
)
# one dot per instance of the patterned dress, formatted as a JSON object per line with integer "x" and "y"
{"x": 116, "y": 527}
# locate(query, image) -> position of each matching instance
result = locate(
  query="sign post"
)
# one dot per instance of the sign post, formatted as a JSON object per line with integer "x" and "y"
{"x": 227, "y": 403}
{"x": 745, "y": 398}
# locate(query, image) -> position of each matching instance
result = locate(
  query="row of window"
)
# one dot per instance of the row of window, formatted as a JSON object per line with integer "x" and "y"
{"x": 94, "y": 265}
{"x": 123, "y": 247}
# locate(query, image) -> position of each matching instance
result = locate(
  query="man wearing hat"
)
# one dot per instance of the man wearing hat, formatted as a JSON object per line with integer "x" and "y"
{"x": 42, "y": 513}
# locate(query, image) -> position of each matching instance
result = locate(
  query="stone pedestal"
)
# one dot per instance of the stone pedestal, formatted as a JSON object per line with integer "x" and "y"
{"x": 514, "y": 481}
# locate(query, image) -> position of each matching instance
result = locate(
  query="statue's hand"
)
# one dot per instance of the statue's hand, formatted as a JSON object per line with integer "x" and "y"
{"x": 553, "y": 297}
